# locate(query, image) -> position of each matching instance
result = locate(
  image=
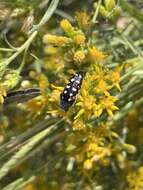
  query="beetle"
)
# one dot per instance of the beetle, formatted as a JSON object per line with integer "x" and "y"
{"x": 69, "y": 94}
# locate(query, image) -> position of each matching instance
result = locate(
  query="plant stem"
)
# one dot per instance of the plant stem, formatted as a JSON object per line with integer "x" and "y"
{"x": 18, "y": 184}
{"x": 46, "y": 16}
{"x": 22, "y": 48}
{"x": 124, "y": 111}
{"x": 7, "y": 49}
{"x": 136, "y": 13}
{"x": 96, "y": 12}
{"x": 34, "y": 31}
{"x": 125, "y": 76}
{"x": 26, "y": 149}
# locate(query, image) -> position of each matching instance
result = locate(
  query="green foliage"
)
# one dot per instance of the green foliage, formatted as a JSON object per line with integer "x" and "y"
{"x": 97, "y": 144}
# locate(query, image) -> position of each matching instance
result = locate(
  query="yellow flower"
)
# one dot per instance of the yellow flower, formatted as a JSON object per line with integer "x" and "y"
{"x": 2, "y": 94}
{"x": 11, "y": 79}
{"x": 78, "y": 125}
{"x": 62, "y": 41}
{"x": 50, "y": 50}
{"x": 101, "y": 74}
{"x": 135, "y": 179}
{"x": 97, "y": 54}
{"x": 88, "y": 164}
{"x": 48, "y": 38}
{"x": 55, "y": 94}
{"x": 86, "y": 104}
{"x": 94, "y": 149}
{"x": 43, "y": 82}
{"x": 91, "y": 149}
{"x": 37, "y": 105}
{"x": 83, "y": 20}
{"x": 54, "y": 103}
{"x": 97, "y": 110}
{"x": 103, "y": 87}
{"x": 54, "y": 63}
{"x": 80, "y": 39}
{"x": 110, "y": 4}
{"x": 66, "y": 26}
{"x": 79, "y": 56}
{"x": 108, "y": 103}
{"x": 56, "y": 40}
{"x": 115, "y": 77}
{"x": 129, "y": 148}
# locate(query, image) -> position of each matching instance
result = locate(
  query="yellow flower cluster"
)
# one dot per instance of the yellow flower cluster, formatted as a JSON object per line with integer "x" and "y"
{"x": 109, "y": 10}
{"x": 84, "y": 20}
{"x": 70, "y": 47}
{"x": 75, "y": 52}
{"x": 56, "y": 40}
{"x": 80, "y": 39}
{"x": 79, "y": 56}
{"x": 95, "y": 148}
{"x": 74, "y": 45}
{"x": 78, "y": 125}
{"x": 99, "y": 145}
{"x": 96, "y": 54}
{"x": 135, "y": 179}
{"x": 39, "y": 104}
{"x": 66, "y": 26}
{"x": 95, "y": 95}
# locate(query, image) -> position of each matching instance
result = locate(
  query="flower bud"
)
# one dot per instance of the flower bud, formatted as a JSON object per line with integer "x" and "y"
{"x": 130, "y": 148}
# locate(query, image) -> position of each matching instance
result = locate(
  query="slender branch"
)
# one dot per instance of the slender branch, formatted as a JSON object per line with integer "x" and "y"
{"x": 22, "y": 48}
{"x": 33, "y": 32}
{"x": 124, "y": 111}
{"x": 96, "y": 12}
{"x": 7, "y": 49}
{"x": 51, "y": 9}
{"x": 136, "y": 13}
{"x": 18, "y": 184}
{"x": 64, "y": 15}
{"x": 25, "y": 150}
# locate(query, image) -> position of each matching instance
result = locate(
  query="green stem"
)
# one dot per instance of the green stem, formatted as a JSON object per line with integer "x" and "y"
{"x": 131, "y": 45}
{"x": 130, "y": 72}
{"x": 23, "y": 61}
{"x": 22, "y": 48}
{"x": 24, "y": 183}
{"x": 46, "y": 16}
{"x": 34, "y": 31}
{"x": 7, "y": 49}
{"x": 124, "y": 111}
{"x": 26, "y": 149}
{"x": 18, "y": 184}
{"x": 134, "y": 12}
{"x": 96, "y": 12}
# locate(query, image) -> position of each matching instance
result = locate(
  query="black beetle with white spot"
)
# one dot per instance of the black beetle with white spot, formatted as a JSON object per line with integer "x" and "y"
{"x": 68, "y": 96}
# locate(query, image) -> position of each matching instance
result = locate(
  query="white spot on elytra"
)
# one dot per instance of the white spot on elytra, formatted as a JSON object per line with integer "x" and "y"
{"x": 69, "y": 99}
{"x": 71, "y": 94}
{"x": 80, "y": 76}
{"x": 67, "y": 86}
{"x": 65, "y": 92}
{"x": 77, "y": 81}
{"x": 72, "y": 79}
{"x": 74, "y": 89}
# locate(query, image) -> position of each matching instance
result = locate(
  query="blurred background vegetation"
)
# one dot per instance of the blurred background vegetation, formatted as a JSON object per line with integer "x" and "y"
{"x": 98, "y": 143}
